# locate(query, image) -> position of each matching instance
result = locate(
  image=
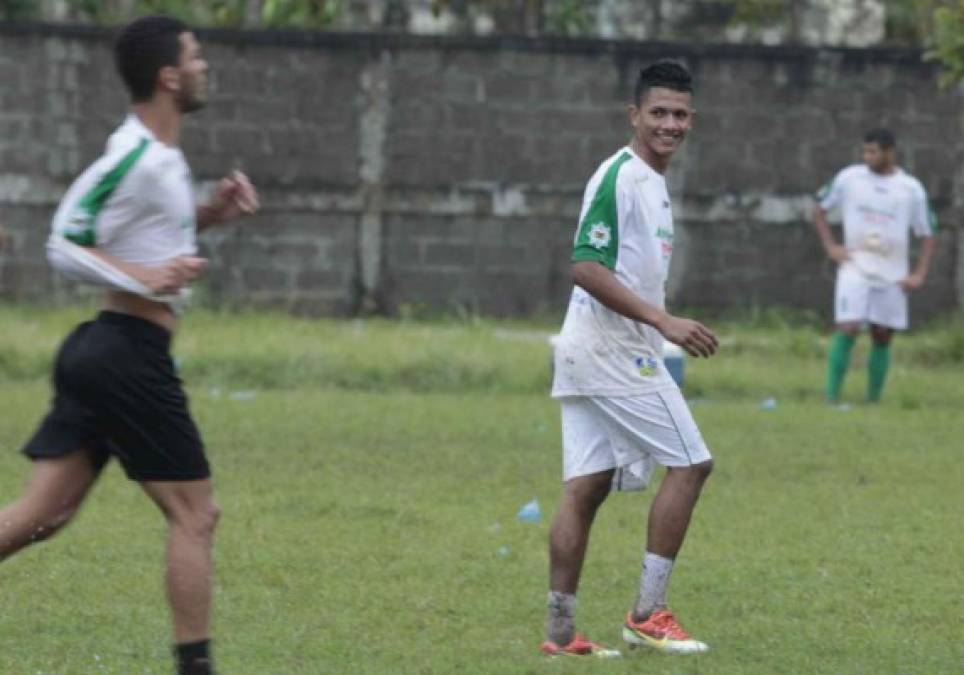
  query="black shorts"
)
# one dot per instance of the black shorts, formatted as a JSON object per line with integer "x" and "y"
{"x": 116, "y": 393}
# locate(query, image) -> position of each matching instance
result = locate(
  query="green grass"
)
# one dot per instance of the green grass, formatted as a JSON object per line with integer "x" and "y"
{"x": 371, "y": 472}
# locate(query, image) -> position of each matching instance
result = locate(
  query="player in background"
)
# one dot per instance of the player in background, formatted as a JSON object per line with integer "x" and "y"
{"x": 621, "y": 410}
{"x": 128, "y": 224}
{"x": 880, "y": 204}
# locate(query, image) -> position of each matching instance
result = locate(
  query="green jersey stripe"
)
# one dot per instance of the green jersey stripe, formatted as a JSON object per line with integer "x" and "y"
{"x": 931, "y": 219}
{"x": 598, "y": 236}
{"x": 824, "y": 191}
{"x": 79, "y": 227}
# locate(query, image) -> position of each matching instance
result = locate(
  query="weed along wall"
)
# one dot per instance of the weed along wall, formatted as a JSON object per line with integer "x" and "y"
{"x": 402, "y": 173}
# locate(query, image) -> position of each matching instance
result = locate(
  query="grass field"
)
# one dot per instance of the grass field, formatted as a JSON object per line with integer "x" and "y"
{"x": 370, "y": 473}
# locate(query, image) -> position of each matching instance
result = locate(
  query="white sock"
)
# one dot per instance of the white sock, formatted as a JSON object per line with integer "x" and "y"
{"x": 652, "y": 584}
{"x": 561, "y": 623}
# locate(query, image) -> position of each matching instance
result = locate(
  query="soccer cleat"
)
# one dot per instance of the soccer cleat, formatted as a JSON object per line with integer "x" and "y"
{"x": 578, "y": 646}
{"x": 661, "y": 631}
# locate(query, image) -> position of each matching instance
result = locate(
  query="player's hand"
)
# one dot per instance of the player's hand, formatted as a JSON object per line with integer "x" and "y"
{"x": 838, "y": 254}
{"x": 912, "y": 282}
{"x": 695, "y": 338}
{"x": 233, "y": 197}
{"x": 172, "y": 275}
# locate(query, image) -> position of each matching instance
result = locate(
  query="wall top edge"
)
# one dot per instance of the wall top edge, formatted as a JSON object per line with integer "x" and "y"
{"x": 379, "y": 41}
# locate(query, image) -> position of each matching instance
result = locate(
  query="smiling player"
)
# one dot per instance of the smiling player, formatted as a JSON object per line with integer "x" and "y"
{"x": 621, "y": 409}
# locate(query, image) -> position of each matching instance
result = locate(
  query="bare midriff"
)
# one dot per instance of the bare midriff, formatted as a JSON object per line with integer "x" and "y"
{"x": 159, "y": 313}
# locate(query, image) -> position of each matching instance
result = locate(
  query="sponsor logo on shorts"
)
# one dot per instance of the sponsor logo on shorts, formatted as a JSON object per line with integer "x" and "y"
{"x": 647, "y": 365}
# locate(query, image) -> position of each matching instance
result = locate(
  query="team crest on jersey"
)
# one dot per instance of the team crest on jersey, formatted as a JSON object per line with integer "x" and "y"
{"x": 600, "y": 234}
{"x": 647, "y": 365}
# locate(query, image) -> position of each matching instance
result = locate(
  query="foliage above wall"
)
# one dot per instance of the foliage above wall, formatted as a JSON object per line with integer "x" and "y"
{"x": 937, "y": 25}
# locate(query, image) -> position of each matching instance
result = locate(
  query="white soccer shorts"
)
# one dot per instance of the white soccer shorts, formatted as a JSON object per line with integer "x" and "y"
{"x": 858, "y": 300}
{"x": 634, "y": 432}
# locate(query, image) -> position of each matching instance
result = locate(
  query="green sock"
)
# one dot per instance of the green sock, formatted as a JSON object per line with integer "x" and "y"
{"x": 877, "y": 364}
{"x": 840, "y": 346}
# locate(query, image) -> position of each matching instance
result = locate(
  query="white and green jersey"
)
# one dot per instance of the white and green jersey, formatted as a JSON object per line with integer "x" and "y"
{"x": 878, "y": 213}
{"x": 626, "y": 224}
{"x": 136, "y": 202}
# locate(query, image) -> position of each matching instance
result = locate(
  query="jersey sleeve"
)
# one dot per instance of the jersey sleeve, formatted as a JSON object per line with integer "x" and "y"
{"x": 597, "y": 238}
{"x": 831, "y": 194}
{"x": 82, "y": 218}
{"x": 923, "y": 219}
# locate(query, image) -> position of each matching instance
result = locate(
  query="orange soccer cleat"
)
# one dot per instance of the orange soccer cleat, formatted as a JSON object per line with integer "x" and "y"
{"x": 578, "y": 646}
{"x": 662, "y": 632}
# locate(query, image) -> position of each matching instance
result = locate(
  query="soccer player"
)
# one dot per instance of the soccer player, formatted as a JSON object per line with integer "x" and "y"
{"x": 879, "y": 203}
{"x": 128, "y": 223}
{"x": 621, "y": 410}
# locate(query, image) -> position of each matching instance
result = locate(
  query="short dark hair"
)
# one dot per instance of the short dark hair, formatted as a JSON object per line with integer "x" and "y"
{"x": 883, "y": 137}
{"x": 143, "y": 47}
{"x": 664, "y": 73}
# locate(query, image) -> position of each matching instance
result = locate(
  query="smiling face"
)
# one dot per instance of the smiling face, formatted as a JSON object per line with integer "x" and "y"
{"x": 660, "y": 122}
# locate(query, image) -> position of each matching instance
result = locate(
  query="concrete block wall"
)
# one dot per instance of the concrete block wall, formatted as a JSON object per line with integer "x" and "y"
{"x": 445, "y": 174}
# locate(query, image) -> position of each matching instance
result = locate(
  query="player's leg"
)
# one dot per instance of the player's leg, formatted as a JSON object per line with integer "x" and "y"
{"x": 841, "y": 345}
{"x": 851, "y": 298}
{"x": 157, "y": 441}
{"x": 191, "y": 514}
{"x": 53, "y": 494}
{"x": 669, "y": 519}
{"x": 662, "y": 426}
{"x": 887, "y": 314}
{"x": 588, "y": 467}
{"x": 568, "y": 537}
{"x": 66, "y": 450}
{"x": 878, "y": 361}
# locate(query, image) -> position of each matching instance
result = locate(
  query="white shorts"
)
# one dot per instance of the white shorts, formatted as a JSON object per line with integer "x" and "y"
{"x": 600, "y": 433}
{"x": 858, "y": 300}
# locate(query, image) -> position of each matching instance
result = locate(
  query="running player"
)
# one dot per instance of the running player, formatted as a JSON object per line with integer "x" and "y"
{"x": 621, "y": 410}
{"x": 128, "y": 223}
{"x": 880, "y": 204}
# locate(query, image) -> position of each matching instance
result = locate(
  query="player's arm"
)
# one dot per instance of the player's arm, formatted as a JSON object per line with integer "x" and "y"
{"x": 600, "y": 282}
{"x": 916, "y": 279}
{"x": 924, "y": 224}
{"x": 834, "y": 251}
{"x": 233, "y": 197}
{"x": 94, "y": 266}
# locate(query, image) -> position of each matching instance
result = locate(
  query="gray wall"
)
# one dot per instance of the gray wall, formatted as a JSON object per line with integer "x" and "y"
{"x": 407, "y": 173}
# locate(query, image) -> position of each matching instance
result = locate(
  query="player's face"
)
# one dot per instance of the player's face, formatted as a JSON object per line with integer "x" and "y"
{"x": 193, "y": 75}
{"x": 876, "y": 158}
{"x": 661, "y": 121}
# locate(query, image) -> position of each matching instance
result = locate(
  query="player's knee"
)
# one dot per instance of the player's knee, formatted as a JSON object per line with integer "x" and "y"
{"x": 590, "y": 491}
{"x": 851, "y": 329}
{"x": 49, "y": 524}
{"x": 880, "y": 336}
{"x": 703, "y": 470}
{"x": 207, "y": 518}
{"x": 198, "y": 520}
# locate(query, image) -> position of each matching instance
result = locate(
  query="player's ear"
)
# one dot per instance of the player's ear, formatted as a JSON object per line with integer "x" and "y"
{"x": 633, "y": 112}
{"x": 169, "y": 77}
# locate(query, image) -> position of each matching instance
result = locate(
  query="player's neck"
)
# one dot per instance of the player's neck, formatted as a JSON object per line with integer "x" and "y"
{"x": 887, "y": 170}
{"x": 655, "y": 162}
{"x": 163, "y": 119}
